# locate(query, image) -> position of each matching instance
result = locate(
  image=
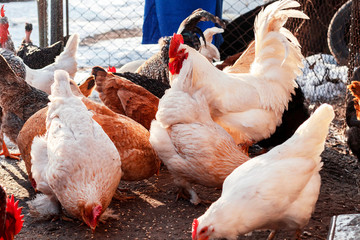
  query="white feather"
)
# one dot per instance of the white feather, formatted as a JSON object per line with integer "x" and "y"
{"x": 44, "y": 77}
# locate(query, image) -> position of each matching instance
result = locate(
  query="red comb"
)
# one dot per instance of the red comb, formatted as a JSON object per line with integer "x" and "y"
{"x": 175, "y": 42}
{"x": 195, "y": 225}
{"x": 2, "y": 11}
{"x": 112, "y": 69}
{"x": 13, "y": 209}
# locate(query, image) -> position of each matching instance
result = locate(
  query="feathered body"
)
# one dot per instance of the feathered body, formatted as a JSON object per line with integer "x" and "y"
{"x": 249, "y": 105}
{"x": 152, "y": 85}
{"x": 18, "y": 101}
{"x": 37, "y": 58}
{"x": 193, "y": 147}
{"x": 276, "y": 190}
{"x": 138, "y": 159}
{"x": 44, "y": 77}
{"x": 125, "y": 97}
{"x": 67, "y": 164}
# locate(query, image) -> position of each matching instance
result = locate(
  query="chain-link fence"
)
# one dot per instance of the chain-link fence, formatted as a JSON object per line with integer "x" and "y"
{"x": 111, "y": 34}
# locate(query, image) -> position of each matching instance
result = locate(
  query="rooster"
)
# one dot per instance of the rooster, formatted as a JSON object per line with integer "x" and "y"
{"x": 156, "y": 67}
{"x": 5, "y": 39}
{"x": 249, "y": 105}
{"x": 7, "y": 49}
{"x": 11, "y": 220}
{"x": 183, "y": 137}
{"x": 67, "y": 164}
{"x": 276, "y": 190}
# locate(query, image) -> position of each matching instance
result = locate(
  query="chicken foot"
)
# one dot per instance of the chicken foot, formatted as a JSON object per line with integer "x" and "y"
{"x": 120, "y": 196}
{"x": 7, "y": 154}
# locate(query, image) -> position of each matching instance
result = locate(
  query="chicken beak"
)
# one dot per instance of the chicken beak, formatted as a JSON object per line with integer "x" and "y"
{"x": 171, "y": 60}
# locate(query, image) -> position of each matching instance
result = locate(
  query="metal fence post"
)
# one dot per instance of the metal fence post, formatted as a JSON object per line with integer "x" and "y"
{"x": 57, "y": 19}
{"x": 43, "y": 24}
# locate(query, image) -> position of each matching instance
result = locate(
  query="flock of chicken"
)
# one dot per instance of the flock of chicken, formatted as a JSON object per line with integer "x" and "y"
{"x": 178, "y": 109}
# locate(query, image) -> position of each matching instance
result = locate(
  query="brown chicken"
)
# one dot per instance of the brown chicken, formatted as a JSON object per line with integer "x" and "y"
{"x": 18, "y": 101}
{"x": 88, "y": 86}
{"x": 125, "y": 97}
{"x": 138, "y": 159}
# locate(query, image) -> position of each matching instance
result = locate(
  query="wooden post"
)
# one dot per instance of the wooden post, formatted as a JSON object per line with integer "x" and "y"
{"x": 57, "y": 21}
{"x": 43, "y": 24}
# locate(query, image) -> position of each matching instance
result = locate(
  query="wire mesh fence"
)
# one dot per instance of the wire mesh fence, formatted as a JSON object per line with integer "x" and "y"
{"x": 111, "y": 35}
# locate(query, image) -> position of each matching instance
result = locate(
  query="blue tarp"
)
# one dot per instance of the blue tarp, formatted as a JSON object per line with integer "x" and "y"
{"x": 163, "y": 17}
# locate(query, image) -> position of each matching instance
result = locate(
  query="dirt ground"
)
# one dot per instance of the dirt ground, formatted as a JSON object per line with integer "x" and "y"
{"x": 154, "y": 213}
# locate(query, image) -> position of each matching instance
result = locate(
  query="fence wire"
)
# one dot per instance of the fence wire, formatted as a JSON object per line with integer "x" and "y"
{"x": 324, "y": 77}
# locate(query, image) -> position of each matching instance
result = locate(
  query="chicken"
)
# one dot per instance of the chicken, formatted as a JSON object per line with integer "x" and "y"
{"x": 35, "y": 57}
{"x": 75, "y": 163}
{"x": 124, "y": 97}
{"x": 138, "y": 159}
{"x": 183, "y": 137}
{"x": 353, "y": 115}
{"x": 249, "y": 105}
{"x": 88, "y": 86}
{"x": 18, "y": 101}
{"x": 5, "y": 38}
{"x": 7, "y": 49}
{"x": 156, "y": 67}
{"x": 152, "y": 85}
{"x": 296, "y": 113}
{"x": 11, "y": 220}
{"x": 39, "y": 78}
{"x": 44, "y": 77}
{"x": 276, "y": 190}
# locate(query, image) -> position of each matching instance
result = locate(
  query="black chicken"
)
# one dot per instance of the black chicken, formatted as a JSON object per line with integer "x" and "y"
{"x": 34, "y": 56}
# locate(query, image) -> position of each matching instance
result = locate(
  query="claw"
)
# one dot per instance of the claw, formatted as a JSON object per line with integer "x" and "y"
{"x": 7, "y": 154}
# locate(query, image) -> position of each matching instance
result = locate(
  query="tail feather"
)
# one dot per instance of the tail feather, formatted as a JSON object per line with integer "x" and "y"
{"x": 44, "y": 206}
{"x": 278, "y": 55}
{"x": 67, "y": 59}
{"x": 71, "y": 46}
{"x": 39, "y": 161}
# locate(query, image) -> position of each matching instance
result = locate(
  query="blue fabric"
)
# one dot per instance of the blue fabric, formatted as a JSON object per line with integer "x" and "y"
{"x": 163, "y": 17}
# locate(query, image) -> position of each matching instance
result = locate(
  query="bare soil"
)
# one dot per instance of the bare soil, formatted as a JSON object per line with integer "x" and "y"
{"x": 154, "y": 213}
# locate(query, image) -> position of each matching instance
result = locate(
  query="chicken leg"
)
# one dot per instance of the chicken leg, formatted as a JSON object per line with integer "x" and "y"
{"x": 7, "y": 154}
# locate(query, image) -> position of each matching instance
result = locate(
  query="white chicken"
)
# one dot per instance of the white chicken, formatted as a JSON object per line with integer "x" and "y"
{"x": 67, "y": 164}
{"x": 194, "y": 148}
{"x": 276, "y": 190}
{"x": 44, "y": 77}
{"x": 249, "y": 105}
